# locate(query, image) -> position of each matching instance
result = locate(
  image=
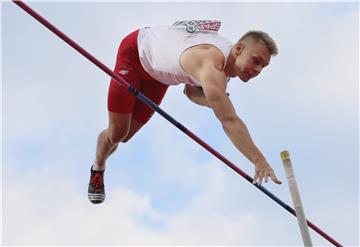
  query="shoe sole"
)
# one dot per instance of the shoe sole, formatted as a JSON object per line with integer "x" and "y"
{"x": 96, "y": 198}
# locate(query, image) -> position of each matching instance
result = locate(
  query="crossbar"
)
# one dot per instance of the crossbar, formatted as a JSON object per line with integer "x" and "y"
{"x": 156, "y": 108}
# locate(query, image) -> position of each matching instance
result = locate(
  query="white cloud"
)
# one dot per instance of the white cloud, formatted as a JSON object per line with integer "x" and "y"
{"x": 45, "y": 206}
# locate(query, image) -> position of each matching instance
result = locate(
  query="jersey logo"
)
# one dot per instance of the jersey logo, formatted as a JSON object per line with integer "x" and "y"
{"x": 198, "y": 25}
{"x": 124, "y": 72}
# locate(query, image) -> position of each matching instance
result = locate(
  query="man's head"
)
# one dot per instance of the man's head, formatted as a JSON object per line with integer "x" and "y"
{"x": 251, "y": 54}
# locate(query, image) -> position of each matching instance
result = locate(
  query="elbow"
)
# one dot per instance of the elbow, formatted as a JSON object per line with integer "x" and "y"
{"x": 229, "y": 120}
{"x": 233, "y": 124}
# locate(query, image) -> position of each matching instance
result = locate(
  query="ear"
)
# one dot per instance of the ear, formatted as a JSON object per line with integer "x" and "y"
{"x": 239, "y": 47}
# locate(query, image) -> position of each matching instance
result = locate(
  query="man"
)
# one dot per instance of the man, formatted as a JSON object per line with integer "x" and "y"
{"x": 189, "y": 52}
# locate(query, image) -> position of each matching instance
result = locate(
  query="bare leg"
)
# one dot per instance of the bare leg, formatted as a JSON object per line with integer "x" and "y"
{"x": 107, "y": 142}
{"x": 135, "y": 126}
{"x": 109, "y": 138}
{"x": 104, "y": 148}
{"x": 122, "y": 127}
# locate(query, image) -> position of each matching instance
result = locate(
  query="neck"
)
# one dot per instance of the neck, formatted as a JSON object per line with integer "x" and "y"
{"x": 229, "y": 67}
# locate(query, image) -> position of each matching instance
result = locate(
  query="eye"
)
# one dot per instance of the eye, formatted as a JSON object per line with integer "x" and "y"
{"x": 256, "y": 61}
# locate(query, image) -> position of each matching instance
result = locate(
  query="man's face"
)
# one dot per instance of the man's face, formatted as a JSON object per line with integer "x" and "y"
{"x": 251, "y": 58}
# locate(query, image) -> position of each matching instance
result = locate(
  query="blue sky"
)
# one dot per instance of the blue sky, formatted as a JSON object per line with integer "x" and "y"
{"x": 162, "y": 188}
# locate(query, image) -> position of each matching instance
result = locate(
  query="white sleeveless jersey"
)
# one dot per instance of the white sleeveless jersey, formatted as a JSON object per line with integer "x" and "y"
{"x": 160, "y": 49}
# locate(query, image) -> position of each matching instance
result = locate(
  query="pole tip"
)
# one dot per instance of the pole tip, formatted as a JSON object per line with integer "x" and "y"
{"x": 285, "y": 155}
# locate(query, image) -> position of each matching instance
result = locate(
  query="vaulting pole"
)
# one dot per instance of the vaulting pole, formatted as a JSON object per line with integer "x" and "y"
{"x": 295, "y": 195}
{"x": 156, "y": 108}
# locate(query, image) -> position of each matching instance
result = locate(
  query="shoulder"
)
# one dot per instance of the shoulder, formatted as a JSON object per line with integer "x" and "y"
{"x": 196, "y": 57}
{"x": 205, "y": 52}
{"x": 205, "y": 63}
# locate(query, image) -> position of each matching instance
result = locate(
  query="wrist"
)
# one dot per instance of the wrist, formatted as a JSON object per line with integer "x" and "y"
{"x": 258, "y": 159}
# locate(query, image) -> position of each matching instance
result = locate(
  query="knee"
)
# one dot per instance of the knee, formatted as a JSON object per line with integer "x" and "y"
{"x": 126, "y": 139}
{"x": 118, "y": 135}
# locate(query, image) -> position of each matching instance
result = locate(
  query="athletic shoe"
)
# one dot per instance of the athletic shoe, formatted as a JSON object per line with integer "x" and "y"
{"x": 96, "y": 191}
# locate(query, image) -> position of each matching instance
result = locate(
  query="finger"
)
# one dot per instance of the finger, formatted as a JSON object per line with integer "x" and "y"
{"x": 255, "y": 178}
{"x": 260, "y": 180}
{"x": 266, "y": 176}
{"x": 274, "y": 178}
{"x": 277, "y": 181}
{"x": 261, "y": 176}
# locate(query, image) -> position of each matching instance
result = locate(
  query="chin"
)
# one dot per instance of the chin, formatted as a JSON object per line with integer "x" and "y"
{"x": 244, "y": 80}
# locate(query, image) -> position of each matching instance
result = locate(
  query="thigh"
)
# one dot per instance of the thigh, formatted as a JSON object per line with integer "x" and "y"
{"x": 135, "y": 126}
{"x": 153, "y": 90}
{"x": 121, "y": 105}
{"x": 119, "y": 99}
{"x": 119, "y": 126}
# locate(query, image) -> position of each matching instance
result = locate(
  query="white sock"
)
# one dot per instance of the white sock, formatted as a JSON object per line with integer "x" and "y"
{"x": 96, "y": 167}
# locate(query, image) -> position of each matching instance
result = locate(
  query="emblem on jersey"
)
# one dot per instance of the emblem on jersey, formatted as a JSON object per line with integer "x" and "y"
{"x": 198, "y": 25}
{"x": 124, "y": 72}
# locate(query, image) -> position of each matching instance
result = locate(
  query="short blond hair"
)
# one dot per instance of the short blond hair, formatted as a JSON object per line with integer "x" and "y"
{"x": 264, "y": 37}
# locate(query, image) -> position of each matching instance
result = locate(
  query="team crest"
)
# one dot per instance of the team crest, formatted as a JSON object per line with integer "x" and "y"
{"x": 198, "y": 25}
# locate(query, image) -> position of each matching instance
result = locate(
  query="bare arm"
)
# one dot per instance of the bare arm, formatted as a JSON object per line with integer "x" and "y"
{"x": 195, "y": 94}
{"x": 214, "y": 86}
{"x": 206, "y": 63}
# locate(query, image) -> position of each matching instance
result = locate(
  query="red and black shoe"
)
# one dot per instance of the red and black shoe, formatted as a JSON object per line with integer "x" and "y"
{"x": 96, "y": 191}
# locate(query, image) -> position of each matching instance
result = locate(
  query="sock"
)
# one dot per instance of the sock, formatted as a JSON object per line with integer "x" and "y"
{"x": 96, "y": 167}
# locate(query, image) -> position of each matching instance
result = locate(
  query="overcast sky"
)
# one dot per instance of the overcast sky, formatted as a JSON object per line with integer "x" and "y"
{"x": 162, "y": 188}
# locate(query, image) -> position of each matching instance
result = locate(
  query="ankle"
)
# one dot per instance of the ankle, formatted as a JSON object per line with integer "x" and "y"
{"x": 97, "y": 167}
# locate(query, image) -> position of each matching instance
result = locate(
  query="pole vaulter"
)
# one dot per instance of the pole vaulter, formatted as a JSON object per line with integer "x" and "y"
{"x": 156, "y": 108}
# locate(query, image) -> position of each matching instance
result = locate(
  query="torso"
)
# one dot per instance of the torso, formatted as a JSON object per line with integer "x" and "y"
{"x": 164, "y": 50}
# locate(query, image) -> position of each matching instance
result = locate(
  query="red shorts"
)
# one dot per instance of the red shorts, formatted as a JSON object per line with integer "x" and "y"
{"x": 128, "y": 67}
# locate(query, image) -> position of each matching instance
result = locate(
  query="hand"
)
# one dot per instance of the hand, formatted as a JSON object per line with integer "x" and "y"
{"x": 263, "y": 171}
